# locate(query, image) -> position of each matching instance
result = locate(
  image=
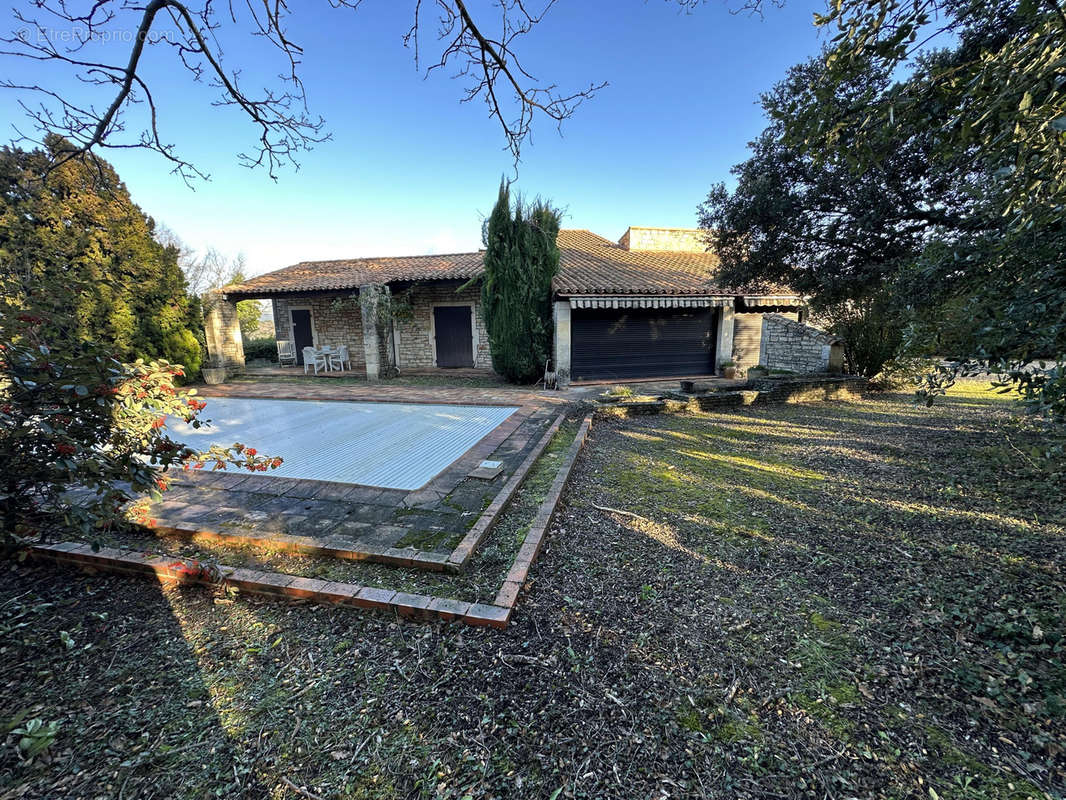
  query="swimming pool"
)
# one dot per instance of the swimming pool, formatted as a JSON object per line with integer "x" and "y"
{"x": 391, "y": 445}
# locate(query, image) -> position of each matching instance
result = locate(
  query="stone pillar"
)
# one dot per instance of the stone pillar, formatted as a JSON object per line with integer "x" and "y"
{"x": 561, "y": 315}
{"x": 223, "y": 332}
{"x": 834, "y": 357}
{"x": 724, "y": 339}
{"x": 368, "y": 306}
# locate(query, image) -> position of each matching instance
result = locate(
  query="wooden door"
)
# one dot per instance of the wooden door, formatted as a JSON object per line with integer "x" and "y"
{"x": 452, "y": 333}
{"x": 302, "y": 335}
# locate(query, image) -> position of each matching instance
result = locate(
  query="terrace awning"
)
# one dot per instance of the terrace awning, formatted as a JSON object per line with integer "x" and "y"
{"x": 648, "y": 301}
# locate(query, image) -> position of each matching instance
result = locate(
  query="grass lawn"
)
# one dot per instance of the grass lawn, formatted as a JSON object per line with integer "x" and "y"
{"x": 857, "y": 600}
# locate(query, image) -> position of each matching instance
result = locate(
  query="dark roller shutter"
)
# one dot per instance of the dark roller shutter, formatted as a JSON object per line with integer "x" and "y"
{"x": 614, "y": 344}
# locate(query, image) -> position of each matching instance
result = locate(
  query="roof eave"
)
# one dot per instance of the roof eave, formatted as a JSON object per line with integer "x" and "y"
{"x": 245, "y": 292}
{"x": 266, "y": 293}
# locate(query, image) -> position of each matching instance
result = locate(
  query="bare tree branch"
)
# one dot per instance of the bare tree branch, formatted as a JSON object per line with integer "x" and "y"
{"x": 285, "y": 127}
{"x": 492, "y": 68}
{"x": 484, "y": 56}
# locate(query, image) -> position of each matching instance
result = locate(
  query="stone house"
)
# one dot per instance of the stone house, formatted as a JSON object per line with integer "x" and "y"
{"x": 646, "y": 306}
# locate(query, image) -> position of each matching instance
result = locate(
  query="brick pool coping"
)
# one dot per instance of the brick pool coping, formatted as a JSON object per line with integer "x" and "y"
{"x": 463, "y": 552}
{"x": 399, "y": 557}
{"x": 277, "y": 585}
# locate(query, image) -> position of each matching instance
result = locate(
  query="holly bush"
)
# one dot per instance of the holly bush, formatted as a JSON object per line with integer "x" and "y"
{"x": 81, "y": 433}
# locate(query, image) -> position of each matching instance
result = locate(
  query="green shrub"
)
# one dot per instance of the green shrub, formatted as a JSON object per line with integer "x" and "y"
{"x": 72, "y": 416}
{"x": 261, "y": 347}
{"x": 132, "y": 293}
{"x": 181, "y": 347}
{"x": 902, "y": 372}
{"x": 872, "y": 332}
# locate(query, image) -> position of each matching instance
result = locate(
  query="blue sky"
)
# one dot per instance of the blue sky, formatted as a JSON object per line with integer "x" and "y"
{"x": 411, "y": 170}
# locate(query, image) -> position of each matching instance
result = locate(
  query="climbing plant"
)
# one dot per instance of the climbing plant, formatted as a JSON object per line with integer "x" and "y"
{"x": 389, "y": 308}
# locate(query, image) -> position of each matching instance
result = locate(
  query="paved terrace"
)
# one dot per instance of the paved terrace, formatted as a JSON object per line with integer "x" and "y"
{"x": 478, "y": 610}
{"x": 323, "y": 388}
{"x": 435, "y": 527}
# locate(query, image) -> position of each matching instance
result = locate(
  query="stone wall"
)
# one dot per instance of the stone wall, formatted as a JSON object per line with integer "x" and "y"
{"x": 747, "y": 337}
{"x": 810, "y": 389}
{"x": 790, "y": 345}
{"x": 335, "y": 324}
{"x": 414, "y": 337}
{"x": 677, "y": 240}
{"x": 222, "y": 330}
{"x": 279, "y": 309}
{"x": 332, "y": 323}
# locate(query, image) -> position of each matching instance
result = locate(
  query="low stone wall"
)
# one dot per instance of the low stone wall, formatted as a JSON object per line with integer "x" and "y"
{"x": 761, "y": 391}
{"x": 793, "y": 346}
{"x": 808, "y": 390}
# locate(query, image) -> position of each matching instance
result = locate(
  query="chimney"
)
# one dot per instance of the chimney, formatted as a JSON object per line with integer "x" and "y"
{"x": 675, "y": 240}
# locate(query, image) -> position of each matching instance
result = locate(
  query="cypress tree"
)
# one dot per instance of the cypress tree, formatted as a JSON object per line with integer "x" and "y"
{"x": 521, "y": 259}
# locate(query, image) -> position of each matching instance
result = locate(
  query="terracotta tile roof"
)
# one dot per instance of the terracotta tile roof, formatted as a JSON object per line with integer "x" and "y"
{"x": 310, "y": 276}
{"x": 588, "y": 264}
{"x": 591, "y": 264}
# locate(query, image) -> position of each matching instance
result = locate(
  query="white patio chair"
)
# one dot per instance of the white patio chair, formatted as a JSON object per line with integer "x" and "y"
{"x": 314, "y": 359}
{"x": 328, "y": 355}
{"x": 286, "y": 352}
{"x": 340, "y": 357}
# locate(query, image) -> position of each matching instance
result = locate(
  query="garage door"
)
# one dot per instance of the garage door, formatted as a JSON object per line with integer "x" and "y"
{"x": 614, "y": 344}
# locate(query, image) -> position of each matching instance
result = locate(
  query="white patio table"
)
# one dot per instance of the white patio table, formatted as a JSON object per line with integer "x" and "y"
{"x": 331, "y": 355}
{"x": 315, "y": 358}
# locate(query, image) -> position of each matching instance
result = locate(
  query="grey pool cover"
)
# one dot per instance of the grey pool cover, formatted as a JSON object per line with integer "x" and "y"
{"x": 393, "y": 445}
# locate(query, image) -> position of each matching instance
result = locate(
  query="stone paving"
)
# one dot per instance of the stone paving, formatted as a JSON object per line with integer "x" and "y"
{"x": 412, "y": 528}
{"x": 496, "y": 614}
{"x": 503, "y": 395}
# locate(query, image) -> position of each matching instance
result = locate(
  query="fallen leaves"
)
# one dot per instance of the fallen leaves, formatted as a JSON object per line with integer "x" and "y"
{"x": 779, "y": 644}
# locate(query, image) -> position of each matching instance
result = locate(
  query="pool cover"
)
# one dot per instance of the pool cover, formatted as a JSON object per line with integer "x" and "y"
{"x": 392, "y": 445}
